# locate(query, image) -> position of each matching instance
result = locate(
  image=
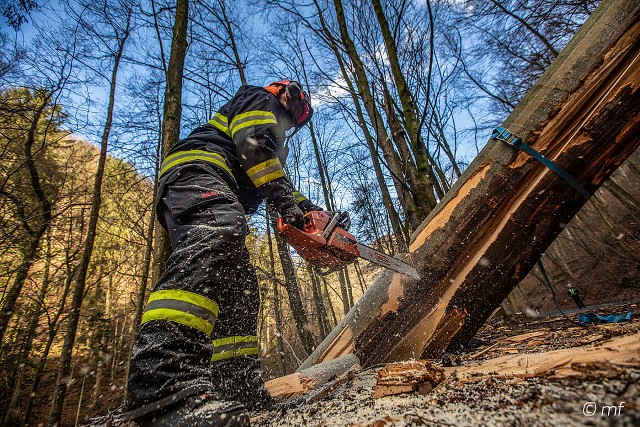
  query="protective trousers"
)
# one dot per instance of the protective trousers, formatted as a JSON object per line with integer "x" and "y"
{"x": 202, "y": 313}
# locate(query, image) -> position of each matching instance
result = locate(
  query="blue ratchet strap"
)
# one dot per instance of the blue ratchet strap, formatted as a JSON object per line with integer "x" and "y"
{"x": 503, "y": 134}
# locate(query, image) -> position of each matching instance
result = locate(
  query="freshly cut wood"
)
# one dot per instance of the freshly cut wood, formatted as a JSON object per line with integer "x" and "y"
{"x": 311, "y": 378}
{"x": 290, "y": 385}
{"x": 322, "y": 392}
{"x": 405, "y": 377}
{"x": 505, "y": 210}
{"x": 607, "y": 357}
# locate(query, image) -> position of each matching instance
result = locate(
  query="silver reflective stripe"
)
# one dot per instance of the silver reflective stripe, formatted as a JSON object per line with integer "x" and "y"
{"x": 184, "y": 307}
{"x": 221, "y": 123}
{"x": 236, "y": 346}
{"x": 266, "y": 171}
{"x": 182, "y": 157}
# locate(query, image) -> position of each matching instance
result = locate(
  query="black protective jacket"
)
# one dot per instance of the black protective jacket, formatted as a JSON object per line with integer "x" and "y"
{"x": 249, "y": 133}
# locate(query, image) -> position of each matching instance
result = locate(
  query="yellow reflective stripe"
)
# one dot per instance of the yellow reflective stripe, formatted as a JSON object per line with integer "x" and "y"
{"x": 220, "y": 122}
{"x": 181, "y": 157}
{"x": 299, "y": 197}
{"x": 235, "y": 346}
{"x": 252, "y": 115}
{"x": 233, "y": 340}
{"x": 178, "y": 317}
{"x": 234, "y": 353}
{"x": 251, "y": 118}
{"x": 264, "y": 165}
{"x": 266, "y": 171}
{"x": 267, "y": 178}
{"x": 184, "y": 307}
{"x": 186, "y": 296}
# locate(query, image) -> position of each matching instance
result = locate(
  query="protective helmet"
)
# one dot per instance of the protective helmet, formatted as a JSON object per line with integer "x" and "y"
{"x": 301, "y": 109}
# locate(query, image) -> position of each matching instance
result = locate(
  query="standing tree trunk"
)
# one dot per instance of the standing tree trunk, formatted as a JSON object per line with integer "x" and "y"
{"x": 24, "y": 359}
{"x": 172, "y": 113}
{"x": 318, "y": 301}
{"x": 382, "y": 139}
{"x": 146, "y": 267}
{"x": 52, "y": 332}
{"x": 64, "y": 371}
{"x": 423, "y": 188}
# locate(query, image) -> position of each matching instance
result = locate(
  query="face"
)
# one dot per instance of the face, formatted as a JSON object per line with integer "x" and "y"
{"x": 285, "y": 100}
{"x": 296, "y": 103}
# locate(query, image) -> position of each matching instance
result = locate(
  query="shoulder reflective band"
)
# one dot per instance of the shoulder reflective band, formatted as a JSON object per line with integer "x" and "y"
{"x": 226, "y": 348}
{"x": 299, "y": 197}
{"x": 503, "y": 134}
{"x": 182, "y": 157}
{"x": 251, "y": 118}
{"x": 266, "y": 171}
{"x": 221, "y": 123}
{"x": 184, "y": 307}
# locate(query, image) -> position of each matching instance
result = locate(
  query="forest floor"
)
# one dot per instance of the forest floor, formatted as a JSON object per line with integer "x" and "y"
{"x": 482, "y": 387}
{"x": 595, "y": 393}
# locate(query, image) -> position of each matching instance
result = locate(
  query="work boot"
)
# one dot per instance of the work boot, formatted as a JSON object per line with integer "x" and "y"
{"x": 240, "y": 378}
{"x": 203, "y": 410}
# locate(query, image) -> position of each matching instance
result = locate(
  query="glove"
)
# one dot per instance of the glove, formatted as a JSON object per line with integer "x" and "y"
{"x": 292, "y": 215}
{"x": 307, "y": 206}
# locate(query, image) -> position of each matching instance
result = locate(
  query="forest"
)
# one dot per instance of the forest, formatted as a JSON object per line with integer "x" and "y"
{"x": 94, "y": 93}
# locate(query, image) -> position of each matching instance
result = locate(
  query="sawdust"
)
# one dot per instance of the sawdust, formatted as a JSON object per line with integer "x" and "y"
{"x": 609, "y": 395}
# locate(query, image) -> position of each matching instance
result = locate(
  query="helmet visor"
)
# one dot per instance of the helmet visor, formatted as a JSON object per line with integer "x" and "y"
{"x": 300, "y": 106}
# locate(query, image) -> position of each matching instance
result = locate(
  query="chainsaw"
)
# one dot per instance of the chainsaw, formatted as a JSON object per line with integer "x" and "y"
{"x": 325, "y": 242}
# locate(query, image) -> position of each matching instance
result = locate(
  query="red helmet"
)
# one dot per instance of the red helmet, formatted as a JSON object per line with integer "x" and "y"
{"x": 300, "y": 106}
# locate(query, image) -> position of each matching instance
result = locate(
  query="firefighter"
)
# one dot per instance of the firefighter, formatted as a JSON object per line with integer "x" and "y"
{"x": 574, "y": 293}
{"x": 195, "y": 360}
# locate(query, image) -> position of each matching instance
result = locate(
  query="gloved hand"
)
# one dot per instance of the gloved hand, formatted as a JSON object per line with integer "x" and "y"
{"x": 308, "y": 206}
{"x": 292, "y": 215}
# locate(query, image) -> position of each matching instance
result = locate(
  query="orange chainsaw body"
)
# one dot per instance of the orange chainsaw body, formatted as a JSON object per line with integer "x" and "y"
{"x": 336, "y": 250}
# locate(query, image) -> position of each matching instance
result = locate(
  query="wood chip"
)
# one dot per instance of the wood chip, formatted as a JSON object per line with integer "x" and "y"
{"x": 405, "y": 377}
{"x": 508, "y": 350}
{"x": 526, "y": 337}
{"x": 480, "y": 353}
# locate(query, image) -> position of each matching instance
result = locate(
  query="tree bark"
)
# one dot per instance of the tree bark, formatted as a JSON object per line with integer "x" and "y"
{"x": 507, "y": 208}
{"x": 172, "y": 114}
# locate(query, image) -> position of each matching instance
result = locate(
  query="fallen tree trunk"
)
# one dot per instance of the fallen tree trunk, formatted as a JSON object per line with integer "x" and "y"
{"x": 506, "y": 209}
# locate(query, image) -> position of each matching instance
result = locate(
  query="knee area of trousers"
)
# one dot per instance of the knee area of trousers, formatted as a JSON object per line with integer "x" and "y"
{"x": 211, "y": 236}
{"x": 233, "y": 223}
